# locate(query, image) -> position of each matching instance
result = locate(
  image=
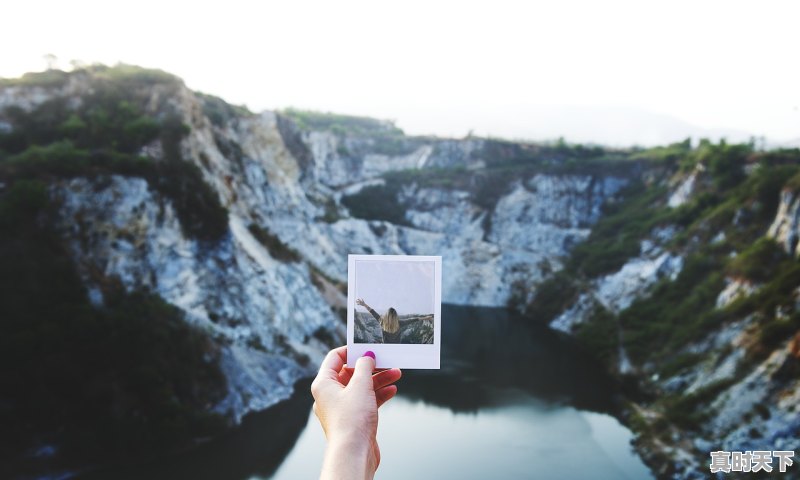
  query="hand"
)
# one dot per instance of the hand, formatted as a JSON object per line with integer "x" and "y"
{"x": 346, "y": 403}
{"x": 361, "y": 302}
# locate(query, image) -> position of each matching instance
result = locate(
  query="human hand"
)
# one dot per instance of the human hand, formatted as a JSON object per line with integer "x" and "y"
{"x": 346, "y": 403}
{"x": 361, "y": 302}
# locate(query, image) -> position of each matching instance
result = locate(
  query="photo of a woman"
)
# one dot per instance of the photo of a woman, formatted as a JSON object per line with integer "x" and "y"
{"x": 401, "y": 302}
{"x": 390, "y": 322}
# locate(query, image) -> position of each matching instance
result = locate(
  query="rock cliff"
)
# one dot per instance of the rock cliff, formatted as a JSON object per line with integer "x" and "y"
{"x": 285, "y": 181}
{"x": 654, "y": 260}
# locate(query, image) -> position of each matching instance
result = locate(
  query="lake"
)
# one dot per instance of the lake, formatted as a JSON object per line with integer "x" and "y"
{"x": 512, "y": 400}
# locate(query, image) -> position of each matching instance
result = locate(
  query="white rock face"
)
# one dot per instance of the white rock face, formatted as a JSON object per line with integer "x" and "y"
{"x": 785, "y": 229}
{"x": 778, "y": 426}
{"x": 336, "y": 161}
{"x": 264, "y": 312}
{"x": 683, "y": 193}
{"x": 618, "y": 290}
{"x": 235, "y": 291}
{"x": 735, "y": 288}
{"x": 575, "y": 314}
{"x": 550, "y": 214}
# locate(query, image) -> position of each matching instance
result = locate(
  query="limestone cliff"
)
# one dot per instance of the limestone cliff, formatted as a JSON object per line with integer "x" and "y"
{"x": 654, "y": 260}
{"x": 268, "y": 285}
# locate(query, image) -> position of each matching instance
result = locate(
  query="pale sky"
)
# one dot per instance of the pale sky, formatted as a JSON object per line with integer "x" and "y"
{"x": 613, "y": 72}
{"x": 407, "y": 286}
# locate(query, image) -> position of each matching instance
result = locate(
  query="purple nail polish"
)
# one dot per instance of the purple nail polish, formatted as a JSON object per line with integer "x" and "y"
{"x": 369, "y": 353}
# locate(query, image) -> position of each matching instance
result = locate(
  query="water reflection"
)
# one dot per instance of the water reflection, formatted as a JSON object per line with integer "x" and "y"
{"x": 486, "y": 349}
{"x": 522, "y": 439}
{"x": 511, "y": 401}
{"x": 254, "y": 449}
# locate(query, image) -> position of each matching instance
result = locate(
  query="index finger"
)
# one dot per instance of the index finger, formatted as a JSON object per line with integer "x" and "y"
{"x": 333, "y": 363}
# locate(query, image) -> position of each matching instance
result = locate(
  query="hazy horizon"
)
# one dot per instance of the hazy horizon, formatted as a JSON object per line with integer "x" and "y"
{"x": 618, "y": 74}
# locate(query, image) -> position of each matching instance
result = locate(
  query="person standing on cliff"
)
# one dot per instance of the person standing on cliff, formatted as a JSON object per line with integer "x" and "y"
{"x": 390, "y": 322}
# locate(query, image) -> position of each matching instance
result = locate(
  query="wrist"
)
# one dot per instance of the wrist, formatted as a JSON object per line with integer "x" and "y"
{"x": 354, "y": 442}
{"x": 350, "y": 456}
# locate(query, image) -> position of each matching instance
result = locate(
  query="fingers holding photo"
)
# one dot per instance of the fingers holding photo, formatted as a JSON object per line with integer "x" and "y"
{"x": 332, "y": 364}
{"x": 380, "y": 378}
{"x": 385, "y": 377}
{"x": 385, "y": 394}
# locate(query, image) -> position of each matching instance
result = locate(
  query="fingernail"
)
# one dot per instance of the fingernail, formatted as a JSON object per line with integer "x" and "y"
{"x": 369, "y": 353}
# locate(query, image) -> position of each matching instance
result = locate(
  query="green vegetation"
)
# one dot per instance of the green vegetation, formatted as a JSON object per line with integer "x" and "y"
{"x": 758, "y": 262}
{"x": 506, "y": 162}
{"x": 131, "y": 76}
{"x": 220, "y": 112}
{"x": 341, "y": 124}
{"x": 671, "y": 155}
{"x": 724, "y": 162}
{"x": 378, "y": 202}
{"x": 794, "y": 182}
{"x": 125, "y": 375}
{"x": 46, "y": 79}
{"x": 277, "y": 249}
{"x": 103, "y": 136}
{"x": 553, "y": 297}
{"x": 600, "y": 335}
{"x": 679, "y": 363}
{"x": 126, "y": 76}
{"x": 379, "y": 136}
{"x": 675, "y": 313}
{"x": 691, "y": 411}
{"x": 121, "y": 380}
{"x": 618, "y": 235}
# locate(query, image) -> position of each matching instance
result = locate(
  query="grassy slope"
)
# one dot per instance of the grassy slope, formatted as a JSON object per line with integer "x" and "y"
{"x": 721, "y": 233}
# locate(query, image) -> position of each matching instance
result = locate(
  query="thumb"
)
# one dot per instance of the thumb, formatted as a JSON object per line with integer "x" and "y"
{"x": 362, "y": 372}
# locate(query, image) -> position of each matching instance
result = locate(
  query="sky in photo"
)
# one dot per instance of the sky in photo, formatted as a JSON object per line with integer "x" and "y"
{"x": 406, "y": 286}
{"x": 617, "y": 72}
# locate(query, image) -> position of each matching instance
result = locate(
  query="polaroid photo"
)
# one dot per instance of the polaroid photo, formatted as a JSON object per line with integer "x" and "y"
{"x": 394, "y": 308}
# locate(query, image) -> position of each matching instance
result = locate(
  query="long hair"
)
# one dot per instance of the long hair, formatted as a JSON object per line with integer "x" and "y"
{"x": 390, "y": 322}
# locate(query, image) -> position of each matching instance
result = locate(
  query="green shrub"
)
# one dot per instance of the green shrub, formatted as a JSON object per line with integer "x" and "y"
{"x": 50, "y": 78}
{"x": 759, "y": 261}
{"x": 103, "y": 137}
{"x": 778, "y": 292}
{"x": 794, "y": 182}
{"x": 778, "y": 330}
{"x": 377, "y": 203}
{"x": 599, "y": 334}
{"x": 676, "y": 312}
{"x": 23, "y": 201}
{"x": 277, "y": 249}
{"x": 689, "y": 411}
{"x": 725, "y": 162}
{"x": 679, "y": 363}
{"x": 617, "y": 236}
{"x": 220, "y": 112}
{"x": 121, "y": 380}
{"x": 671, "y": 155}
{"x": 131, "y": 76}
{"x": 552, "y": 297}
{"x": 340, "y": 124}
{"x": 196, "y": 204}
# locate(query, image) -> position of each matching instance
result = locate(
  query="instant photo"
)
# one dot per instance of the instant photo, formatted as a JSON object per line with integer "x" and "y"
{"x": 394, "y": 309}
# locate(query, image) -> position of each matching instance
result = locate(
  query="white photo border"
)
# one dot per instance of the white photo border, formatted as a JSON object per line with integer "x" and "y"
{"x": 404, "y": 355}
